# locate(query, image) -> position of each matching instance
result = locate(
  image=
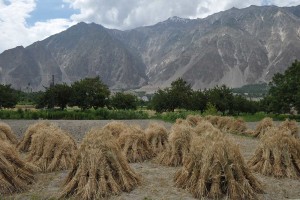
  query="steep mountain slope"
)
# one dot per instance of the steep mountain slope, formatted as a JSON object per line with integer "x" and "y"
{"x": 84, "y": 50}
{"x": 234, "y": 47}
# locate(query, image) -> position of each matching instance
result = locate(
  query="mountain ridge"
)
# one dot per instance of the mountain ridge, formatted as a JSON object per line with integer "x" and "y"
{"x": 234, "y": 47}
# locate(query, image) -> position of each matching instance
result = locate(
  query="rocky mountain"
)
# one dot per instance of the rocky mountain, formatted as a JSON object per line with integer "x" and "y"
{"x": 235, "y": 47}
{"x": 84, "y": 50}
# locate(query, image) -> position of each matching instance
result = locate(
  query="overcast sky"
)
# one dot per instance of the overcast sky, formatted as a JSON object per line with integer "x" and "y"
{"x": 23, "y": 22}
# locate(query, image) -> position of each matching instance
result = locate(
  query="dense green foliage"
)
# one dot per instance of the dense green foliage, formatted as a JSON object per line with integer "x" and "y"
{"x": 99, "y": 114}
{"x": 174, "y": 97}
{"x": 124, "y": 101}
{"x": 89, "y": 93}
{"x": 197, "y": 101}
{"x": 86, "y": 93}
{"x": 8, "y": 96}
{"x": 284, "y": 93}
{"x": 222, "y": 98}
{"x": 181, "y": 96}
{"x": 57, "y": 95}
{"x": 172, "y": 116}
{"x": 252, "y": 90}
{"x": 30, "y": 98}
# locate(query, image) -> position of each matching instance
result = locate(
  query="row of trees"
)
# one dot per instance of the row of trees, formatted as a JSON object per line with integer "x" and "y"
{"x": 86, "y": 93}
{"x": 181, "y": 96}
{"x": 283, "y": 96}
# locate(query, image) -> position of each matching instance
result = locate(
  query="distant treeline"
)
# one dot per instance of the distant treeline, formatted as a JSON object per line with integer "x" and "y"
{"x": 253, "y": 90}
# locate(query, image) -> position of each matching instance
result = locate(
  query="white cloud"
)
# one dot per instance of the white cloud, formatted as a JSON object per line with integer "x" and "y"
{"x": 120, "y": 14}
{"x": 285, "y": 3}
{"x": 14, "y": 30}
{"x": 126, "y": 14}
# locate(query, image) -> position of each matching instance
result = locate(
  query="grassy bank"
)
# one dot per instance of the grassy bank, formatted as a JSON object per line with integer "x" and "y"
{"x": 99, "y": 114}
{"x": 106, "y": 114}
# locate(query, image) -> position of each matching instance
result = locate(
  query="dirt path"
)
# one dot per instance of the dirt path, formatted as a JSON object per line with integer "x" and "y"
{"x": 157, "y": 179}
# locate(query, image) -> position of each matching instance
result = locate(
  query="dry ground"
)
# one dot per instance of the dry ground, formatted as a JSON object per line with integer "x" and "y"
{"x": 157, "y": 180}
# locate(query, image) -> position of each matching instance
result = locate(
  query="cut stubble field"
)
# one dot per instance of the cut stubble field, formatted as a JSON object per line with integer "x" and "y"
{"x": 157, "y": 180}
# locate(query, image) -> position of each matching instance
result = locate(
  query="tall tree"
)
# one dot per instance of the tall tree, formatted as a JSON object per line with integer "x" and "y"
{"x": 198, "y": 101}
{"x": 57, "y": 95}
{"x": 285, "y": 89}
{"x": 176, "y": 96}
{"x": 89, "y": 92}
{"x": 179, "y": 94}
{"x": 8, "y": 96}
{"x": 62, "y": 95}
{"x": 124, "y": 101}
{"x": 222, "y": 98}
{"x": 160, "y": 101}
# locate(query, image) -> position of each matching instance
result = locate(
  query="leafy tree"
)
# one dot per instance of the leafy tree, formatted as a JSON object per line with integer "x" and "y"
{"x": 239, "y": 104}
{"x": 198, "y": 101}
{"x": 222, "y": 98}
{"x": 89, "y": 92}
{"x": 124, "y": 101}
{"x": 179, "y": 94}
{"x": 160, "y": 100}
{"x": 57, "y": 95}
{"x": 243, "y": 105}
{"x": 35, "y": 97}
{"x": 8, "y": 96}
{"x": 176, "y": 96}
{"x": 62, "y": 94}
{"x": 285, "y": 89}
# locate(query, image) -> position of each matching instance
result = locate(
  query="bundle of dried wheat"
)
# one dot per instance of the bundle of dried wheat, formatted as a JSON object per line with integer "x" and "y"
{"x": 224, "y": 123}
{"x": 179, "y": 145}
{"x": 15, "y": 176}
{"x": 52, "y": 149}
{"x": 212, "y": 119}
{"x": 193, "y": 120}
{"x": 278, "y": 154}
{"x": 182, "y": 121}
{"x": 238, "y": 126}
{"x": 100, "y": 169}
{"x": 116, "y": 128}
{"x": 203, "y": 127}
{"x": 290, "y": 125}
{"x": 263, "y": 126}
{"x": 33, "y": 129}
{"x": 134, "y": 145}
{"x": 157, "y": 137}
{"x": 6, "y": 134}
{"x": 215, "y": 168}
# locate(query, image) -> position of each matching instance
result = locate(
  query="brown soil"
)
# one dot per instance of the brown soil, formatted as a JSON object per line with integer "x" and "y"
{"x": 157, "y": 180}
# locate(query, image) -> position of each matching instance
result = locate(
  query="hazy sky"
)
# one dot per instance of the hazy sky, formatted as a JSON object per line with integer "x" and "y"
{"x": 23, "y": 22}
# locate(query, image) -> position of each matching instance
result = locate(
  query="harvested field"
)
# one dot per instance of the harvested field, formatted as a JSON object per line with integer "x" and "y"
{"x": 157, "y": 180}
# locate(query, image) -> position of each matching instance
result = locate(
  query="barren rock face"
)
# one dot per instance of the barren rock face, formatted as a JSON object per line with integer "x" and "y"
{"x": 84, "y": 50}
{"x": 234, "y": 47}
